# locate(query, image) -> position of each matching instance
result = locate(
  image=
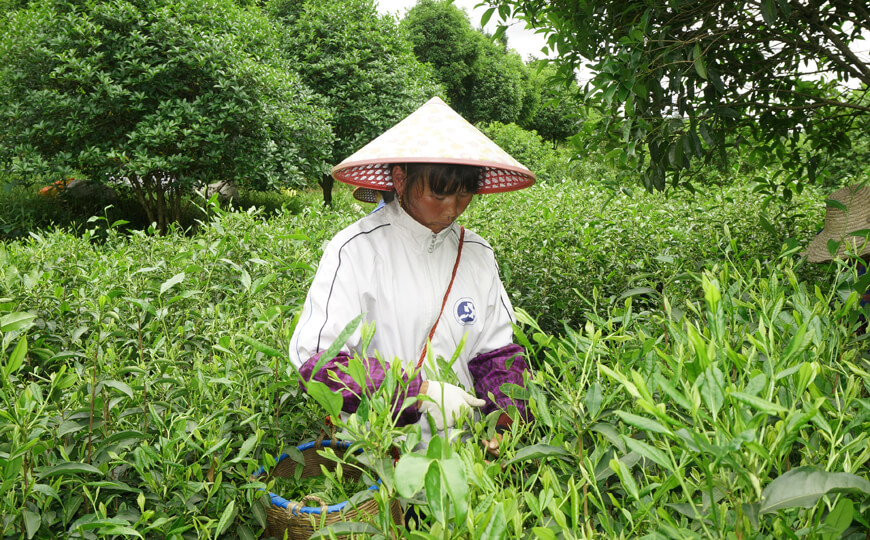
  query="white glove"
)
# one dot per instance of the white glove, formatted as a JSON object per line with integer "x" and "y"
{"x": 447, "y": 402}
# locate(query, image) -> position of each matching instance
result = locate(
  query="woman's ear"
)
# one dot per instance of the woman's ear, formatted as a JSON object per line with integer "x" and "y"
{"x": 399, "y": 180}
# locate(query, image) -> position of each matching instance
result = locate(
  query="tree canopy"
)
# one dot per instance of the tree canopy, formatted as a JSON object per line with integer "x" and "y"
{"x": 361, "y": 62}
{"x": 164, "y": 94}
{"x": 680, "y": 82}
{"x": 484, "y": 81}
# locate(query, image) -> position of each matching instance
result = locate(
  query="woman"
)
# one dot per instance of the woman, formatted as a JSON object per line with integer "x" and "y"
{"x": 419, "y": 276}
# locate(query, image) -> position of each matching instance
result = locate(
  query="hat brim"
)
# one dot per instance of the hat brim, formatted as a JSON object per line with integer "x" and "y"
{"x": 817, "y": 250}
{"x": 377, "y": 174}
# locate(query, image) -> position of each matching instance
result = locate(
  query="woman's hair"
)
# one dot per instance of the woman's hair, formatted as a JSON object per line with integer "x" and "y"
{"x": 443, "y": 179}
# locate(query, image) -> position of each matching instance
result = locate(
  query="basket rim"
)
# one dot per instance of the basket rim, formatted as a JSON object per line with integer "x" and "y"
{"x": 285, "y": 504}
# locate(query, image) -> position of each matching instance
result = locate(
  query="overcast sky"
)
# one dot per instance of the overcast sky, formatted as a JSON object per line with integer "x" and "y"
{"x": 524, "y": 41}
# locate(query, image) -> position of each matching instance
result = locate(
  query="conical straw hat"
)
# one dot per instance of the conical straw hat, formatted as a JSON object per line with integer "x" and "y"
{"x": 840, "y": 224}
{"x": 434, "y": 133}
{"x": 367, "y": 195}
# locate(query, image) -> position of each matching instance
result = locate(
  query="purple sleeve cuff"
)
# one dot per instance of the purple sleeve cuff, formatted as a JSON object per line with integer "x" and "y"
{"x": 339, "y": 381}
{"x": 495, "y": 368}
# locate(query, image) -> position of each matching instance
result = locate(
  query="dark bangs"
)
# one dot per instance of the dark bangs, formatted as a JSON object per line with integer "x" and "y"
{"x": 443, "y": 179}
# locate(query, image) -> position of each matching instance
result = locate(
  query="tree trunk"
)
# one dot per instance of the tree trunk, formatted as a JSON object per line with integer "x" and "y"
{"x": 143, "y": 195}
{"x": 326, "y": 183}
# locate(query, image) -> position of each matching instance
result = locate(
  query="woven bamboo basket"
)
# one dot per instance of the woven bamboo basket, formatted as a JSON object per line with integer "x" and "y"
{"x": 299, "y": 520}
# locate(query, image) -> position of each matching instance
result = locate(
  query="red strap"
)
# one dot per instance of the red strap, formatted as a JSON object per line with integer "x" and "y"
{"x": 446, "y": 294}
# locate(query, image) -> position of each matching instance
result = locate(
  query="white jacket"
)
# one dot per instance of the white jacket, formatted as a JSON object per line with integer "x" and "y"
{"x": 395, "y": 270}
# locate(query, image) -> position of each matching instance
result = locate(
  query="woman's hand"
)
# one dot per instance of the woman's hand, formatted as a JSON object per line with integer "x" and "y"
{"x": 446, "y": 402}
{"x": 502, "y": 428}
{"x": 493, "y": 445}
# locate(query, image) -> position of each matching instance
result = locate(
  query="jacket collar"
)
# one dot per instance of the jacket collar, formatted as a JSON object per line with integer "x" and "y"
{"x": 419, "y": 234}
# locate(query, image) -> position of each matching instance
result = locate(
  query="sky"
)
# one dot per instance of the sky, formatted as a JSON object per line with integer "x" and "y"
{"x": 525, "y": 42}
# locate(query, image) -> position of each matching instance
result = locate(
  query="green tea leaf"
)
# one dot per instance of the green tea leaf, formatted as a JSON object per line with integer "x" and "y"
{"x": 262, "y": 347}
{"x": 593, "y": 399}
{"x": 31, "y": 522}
{"x": 537, "y": 451}
{"x": 15, "y": 359}
{"x": 672, "y": 392}
{"x": 16, "y": 321}
{"x": 410, "y": 474}
{"x": 804, "y": 486}
{"x": 343, "y": 528}
{"x": 544, "y": 533}
{"x": 453, "y": 472}
{"x": 700, "y": 67}
{"x": 496, "y": 524}
{"x": 637, "y": 291}
{"x": 624, "y": 474}
{"x": 122, "y": 387}
{"x": 357, "y": 371}
{"x": 326, "y": 398}
{"x": 768, "y": 11}
{"x": 246, "y": 448}
{"x": 649, "y": 452}
{"x": 756, "y": 384}
{"x": 642, "y": 423}
{"x": 436, "y": 495}
{"x": 226, "y": 517}
{"x": 69, "y": 468}
{"x": 336, "y": 345}
{"x": 839, "y": 519}
{"x": 119, "y": 530}
{"x": 48, "y": 491}
{"x": 172, "y": 282}
{"x": 711, "y": 384}
{"x": 758, "y": 403}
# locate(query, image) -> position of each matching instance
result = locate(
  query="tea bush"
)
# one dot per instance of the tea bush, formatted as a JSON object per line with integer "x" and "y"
{"x": 563, "y": 250}
{"x": 693, "y": 376}
{"x": 27, "y": 210}
{"x": 530, "y": 149}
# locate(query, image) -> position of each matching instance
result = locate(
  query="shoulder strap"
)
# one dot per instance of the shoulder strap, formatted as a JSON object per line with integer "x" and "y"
{"x": 446, "y": 294}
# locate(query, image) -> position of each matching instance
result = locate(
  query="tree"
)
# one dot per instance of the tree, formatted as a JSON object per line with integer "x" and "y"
{"x": 675, "y": 79}
{"x": 441, "y": 36}
{"x": 497, "y": 87}
{"x": 558, "y": 114}
{"x": 484, "y": 82}
{"x": 361, "y": 62}
{"x": 165, "y": 94}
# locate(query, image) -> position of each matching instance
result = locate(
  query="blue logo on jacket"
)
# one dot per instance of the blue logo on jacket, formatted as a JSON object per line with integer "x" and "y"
{"x": 465, "y": 311}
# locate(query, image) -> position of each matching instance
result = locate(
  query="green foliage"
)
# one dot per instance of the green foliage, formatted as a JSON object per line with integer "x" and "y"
{"x": 674, "y": 84}
{"x": 854, "y": 165}
{"x": 442, "y": 37}
{"x": 28, "y": 211}
{"x": 483, "y": 81}
{"x": 575, "y": 245}
{"x": 137, "y": 401}
{"x": 558, "y": 114}
{"x": 691, "y": 421}
{"x": 528, "y": 148}
{"x": 164, "y": 94}
{"x": 498, "y": 87}
{"x": 362, "y": 63}
{"x": 692, "y": 377}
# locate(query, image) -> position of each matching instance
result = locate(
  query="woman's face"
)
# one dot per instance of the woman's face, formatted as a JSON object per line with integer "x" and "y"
{"x": 434, "y": 211}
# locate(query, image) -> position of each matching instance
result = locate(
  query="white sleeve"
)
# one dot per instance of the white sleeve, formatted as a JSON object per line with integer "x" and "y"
{"x": 333, "y": 301}
{"x": 498, "y": 330}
